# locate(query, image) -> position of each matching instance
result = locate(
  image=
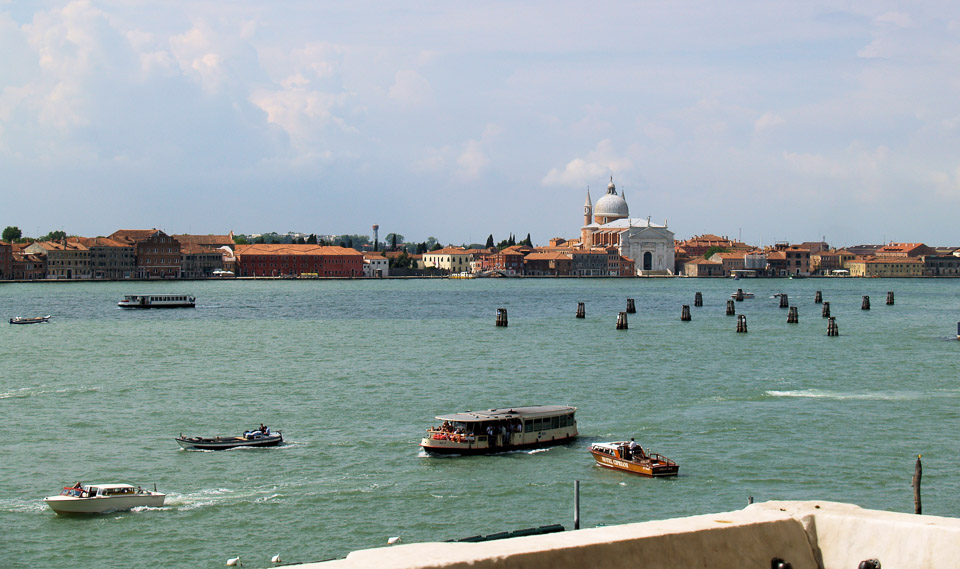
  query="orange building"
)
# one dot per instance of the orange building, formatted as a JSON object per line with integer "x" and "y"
{"x": 277, "y": 259}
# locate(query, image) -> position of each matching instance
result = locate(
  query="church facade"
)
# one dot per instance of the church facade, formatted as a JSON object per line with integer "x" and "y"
{"x": 608, "y": 225}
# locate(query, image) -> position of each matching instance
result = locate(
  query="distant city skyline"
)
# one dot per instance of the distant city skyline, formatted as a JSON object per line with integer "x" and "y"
{"x": 760, "y": 121}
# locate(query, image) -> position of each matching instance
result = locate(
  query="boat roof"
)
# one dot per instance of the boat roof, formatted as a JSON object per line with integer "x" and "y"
{"x": 611, "y": 445}
{"x": 107, "y": 485}
{"x": 508, "y": 413}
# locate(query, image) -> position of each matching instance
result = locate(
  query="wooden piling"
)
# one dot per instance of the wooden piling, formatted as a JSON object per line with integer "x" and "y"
{"x": 576, "y": 504}
{"x": 818, "y": 298}
{"x": 826, "y": 310}
{"x": 739, "y": 297}
{"x": 865, "y": 305}
{"x": 581, "y": 311}
{"x": 792, "y": 317}
{"x": 917, "y": 473}
{"x": 890, "y": 298}
{"x": 631, "y": 307}
{"x": 622, "y": 321}
{"x": 698, "y": 299}
{"x": 501, "y": 317}
{"x": 784, "y": 301}
{"x": 832, "y": 329}
{"x": 731, "y": 310}
{"x": 742, "y": 323}
{"x": 685, "y": 313}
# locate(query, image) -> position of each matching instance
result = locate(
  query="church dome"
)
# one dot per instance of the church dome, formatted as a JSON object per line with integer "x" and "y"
{"x": 611, "y": 206}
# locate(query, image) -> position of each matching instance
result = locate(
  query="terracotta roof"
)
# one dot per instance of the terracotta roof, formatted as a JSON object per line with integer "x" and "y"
{"x": 548, "y": 256}
{"x": 449, "y": 251}
{"x": 292, "y": 249}
{"x": 99, "y": 242}
{"x": 207, "y": 240}
{"x": 371, "y": 255}
{"x": 132, "y": 235}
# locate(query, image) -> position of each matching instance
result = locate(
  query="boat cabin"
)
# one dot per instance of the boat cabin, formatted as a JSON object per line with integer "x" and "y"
{"x": 498, "y": 430}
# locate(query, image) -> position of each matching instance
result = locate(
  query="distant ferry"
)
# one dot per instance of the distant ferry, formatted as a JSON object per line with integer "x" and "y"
{"x": 158, "y": 301}
{"x": 500, "y": 430}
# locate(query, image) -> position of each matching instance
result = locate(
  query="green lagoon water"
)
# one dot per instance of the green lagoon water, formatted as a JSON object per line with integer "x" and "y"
{"x": 352, "y": 372}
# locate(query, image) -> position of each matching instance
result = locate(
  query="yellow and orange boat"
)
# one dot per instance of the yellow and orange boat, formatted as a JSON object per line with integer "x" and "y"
{"x": 618, "y": 456}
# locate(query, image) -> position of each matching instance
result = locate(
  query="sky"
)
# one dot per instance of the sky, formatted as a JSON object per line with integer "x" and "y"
{"x": 758, "y": 120}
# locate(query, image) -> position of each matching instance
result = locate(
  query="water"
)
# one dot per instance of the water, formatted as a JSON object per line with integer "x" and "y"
{"x": 353, "y": 372}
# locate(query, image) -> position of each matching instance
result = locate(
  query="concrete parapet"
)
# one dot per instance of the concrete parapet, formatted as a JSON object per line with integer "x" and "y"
{"x": 808, "y": 535}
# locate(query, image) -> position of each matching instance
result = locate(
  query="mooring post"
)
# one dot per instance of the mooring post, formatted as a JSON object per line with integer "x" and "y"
{"x": 698, "y": 299}
{"x": 917, "y": 472}
{"x": 685, "y": 313}
{"x": 622, "y": 321}
{"x": 631, "y": 307}
{"x": 826, "y": 310}
{"x": 865, "y": 305}
{"x": 818, "y": 298}
{"x": 576, "y": 504}
{"x": 890, "y": 298}
{"x": 832, "y": 329}
{"x": 501, "y": 317}
{"x": 742, "y": 323}
{"x": 749, "y": 500}
{"x": 730, "y": 308}
{"x": 784, "y": 301}
{"x": 581, "y": 311}
{"x": 739, "y": 297}
{"x": 792, "y": 317}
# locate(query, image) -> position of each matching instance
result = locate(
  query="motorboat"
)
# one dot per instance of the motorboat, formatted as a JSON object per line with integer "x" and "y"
{"x": 33, "y": 320}
{"x": 158, "y": 301}
{"x": 100, "y": 498}
{"x": 252, "y": 438}
{"x": 745, "y": 295}
{"x": 618, "y": 456}
{"x": 501, "y": 430}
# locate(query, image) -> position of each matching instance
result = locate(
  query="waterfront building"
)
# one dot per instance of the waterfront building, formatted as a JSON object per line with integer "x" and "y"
{"x": 825, "y": 262}
{"x": 702, "y": 267}
{"x": 608, "y": 224}
{"x": 510, "y": 259}
{"x": 885, "y": 267}
{"x": 592, "y": 263}
{"x": 199, "y": 261}
{"x": 279, "y": 259}
{"x": 375, "y": 265}
{"x": 542, "y": 263}
{"x": 784, "y": 260}
{"x": 730, "y": 261}
{"x": 941, "y": 266}
{"x": 6, "y": 261}
{"x": 450, "y": 259}
{"x": 65, "y": 260}
{"x": 156, "y": 254}
{"x": 109, "y": 259}
{"x": 26, "y": 266}
{"x": 901, "y": 250}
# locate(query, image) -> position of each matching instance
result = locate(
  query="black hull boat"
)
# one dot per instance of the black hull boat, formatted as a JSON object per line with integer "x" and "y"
{"x": 34, "y": 320}
{"x": 249, "y": 439}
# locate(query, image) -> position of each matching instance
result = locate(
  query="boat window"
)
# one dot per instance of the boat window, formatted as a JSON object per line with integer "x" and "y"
{"x": 538, "y": 424}
{"x": 528, "y": 425}
{"x": 555, "y": 423}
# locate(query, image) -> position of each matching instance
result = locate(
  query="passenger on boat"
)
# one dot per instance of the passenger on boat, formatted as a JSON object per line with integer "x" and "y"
{"x": 636, "y": 451}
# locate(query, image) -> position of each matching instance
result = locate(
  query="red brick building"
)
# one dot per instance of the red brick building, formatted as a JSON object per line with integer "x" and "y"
{"x": 157, "y": 255}
{"x": 6, "y": 261}
{"x": 276, "y": 260}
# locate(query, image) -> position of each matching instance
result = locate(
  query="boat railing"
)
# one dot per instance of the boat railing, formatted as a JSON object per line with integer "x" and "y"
{"x": 436, "y": 434}
{"x": 660, "y": 458}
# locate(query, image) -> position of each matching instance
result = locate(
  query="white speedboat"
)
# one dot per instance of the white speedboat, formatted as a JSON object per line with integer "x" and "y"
{"x": 100, "y": 498}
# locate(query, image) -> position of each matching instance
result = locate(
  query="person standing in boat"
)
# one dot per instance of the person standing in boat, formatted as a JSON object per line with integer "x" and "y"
{"x": 636, "y": 451}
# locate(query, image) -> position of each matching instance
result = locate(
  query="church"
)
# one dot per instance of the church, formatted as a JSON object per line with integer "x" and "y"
{"x": 608, "y": 224}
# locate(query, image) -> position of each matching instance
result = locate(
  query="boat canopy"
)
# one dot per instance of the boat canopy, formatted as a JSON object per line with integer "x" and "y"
{"x": 509, "y": 413}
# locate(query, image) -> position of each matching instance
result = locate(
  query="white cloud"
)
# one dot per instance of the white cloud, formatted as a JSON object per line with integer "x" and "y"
{"x": 767, "y": 121}
{"x": 598, "y": 164}
{"x": 410, "y": 89}
{"x": 473, "y": 160}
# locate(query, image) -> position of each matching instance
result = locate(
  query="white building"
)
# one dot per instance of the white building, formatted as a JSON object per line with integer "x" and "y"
{"x": 608, "y": 224}
{"x": 375, "y": 265}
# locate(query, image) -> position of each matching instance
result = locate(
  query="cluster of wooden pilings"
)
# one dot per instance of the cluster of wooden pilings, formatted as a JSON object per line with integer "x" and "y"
{"x": 685, "y": 315}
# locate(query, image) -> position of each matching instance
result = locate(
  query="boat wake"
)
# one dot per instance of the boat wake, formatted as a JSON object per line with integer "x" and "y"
{"x": 44, "y": 390}
{"x": 840, "y": 396}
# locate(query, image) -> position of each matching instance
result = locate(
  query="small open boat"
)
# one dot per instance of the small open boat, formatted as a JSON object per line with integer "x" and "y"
{"x": 618, "y": 456}
{"x": 255, "y": 438}
{"x": 100, "y": 498}
{"x": 33, "y": 320}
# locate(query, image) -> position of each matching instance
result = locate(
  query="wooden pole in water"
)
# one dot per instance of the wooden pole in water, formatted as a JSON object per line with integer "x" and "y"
{"x": 890, "y": 298}
{"x": 581, "y": 311}
{"x": 742, "y": 323}
{"x": 826, "y": 310}
{"x": 685, "y": 313}
{"x": 917, "y": 473}
{"x": 631, "y": 307}
{"x": 784, "y": 301}
{"x": 792, "y": 317}
{"x": 622, "y": 321}
{"x": 832, "y": 329}
{"x": 818, "y": 298}
{"x": 501, "y": 317}
{"x": 698, "y": 299}
{"x": 739, "y": 297}
{"x": 730, "y": 308}
{"x": 865, "y": 305}
{"x": 576, "y": 504}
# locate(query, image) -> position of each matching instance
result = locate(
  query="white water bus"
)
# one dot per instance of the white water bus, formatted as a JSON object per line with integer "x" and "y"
{"x": 158, "y": 301}
{"x": 100, "y": 498}
{"x": 500, "y": 430}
